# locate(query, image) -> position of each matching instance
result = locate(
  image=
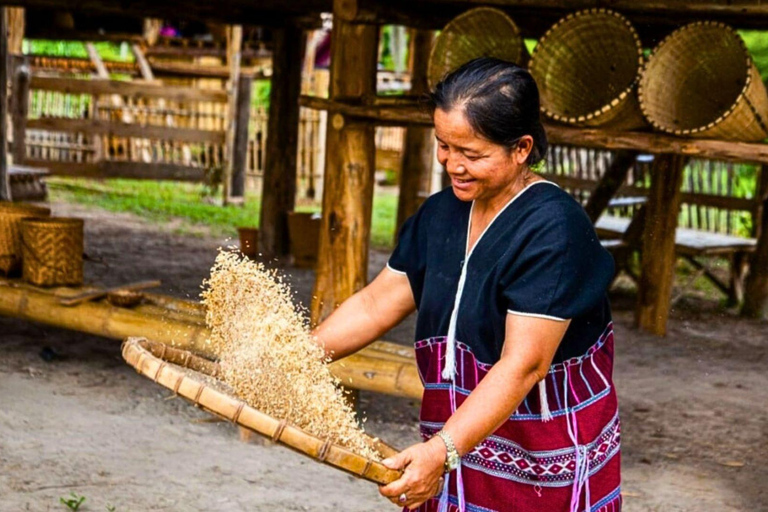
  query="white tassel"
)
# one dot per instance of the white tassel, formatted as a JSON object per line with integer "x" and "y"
{"x": 449, "y": 370}
{"x": 546, "y": 414}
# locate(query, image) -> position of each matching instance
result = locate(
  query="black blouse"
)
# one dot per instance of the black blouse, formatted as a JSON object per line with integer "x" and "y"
{"x": 540, "y": 257}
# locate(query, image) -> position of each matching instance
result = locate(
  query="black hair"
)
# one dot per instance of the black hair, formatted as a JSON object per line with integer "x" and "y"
{"x": 500, "y": 100}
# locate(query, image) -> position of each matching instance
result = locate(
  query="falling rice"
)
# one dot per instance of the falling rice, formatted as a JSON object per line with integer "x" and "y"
{"x": 269, "y": 357}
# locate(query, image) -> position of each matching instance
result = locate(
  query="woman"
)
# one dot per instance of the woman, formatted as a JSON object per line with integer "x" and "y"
{"x": 514, "y": 334}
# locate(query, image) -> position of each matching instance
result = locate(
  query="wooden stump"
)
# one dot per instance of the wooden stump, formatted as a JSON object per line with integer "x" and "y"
{"x": 657, "y": 262}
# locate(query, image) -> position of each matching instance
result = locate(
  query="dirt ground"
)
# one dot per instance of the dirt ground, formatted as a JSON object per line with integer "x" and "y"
{"x": 694, "y": 407}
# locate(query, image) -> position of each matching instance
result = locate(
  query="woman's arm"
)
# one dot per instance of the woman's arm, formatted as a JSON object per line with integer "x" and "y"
{"x": 366, "y": 315}
{"x": 529, "y": 347}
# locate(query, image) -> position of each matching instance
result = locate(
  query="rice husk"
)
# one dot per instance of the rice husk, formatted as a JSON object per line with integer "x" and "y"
{"x": 269, "y": 357}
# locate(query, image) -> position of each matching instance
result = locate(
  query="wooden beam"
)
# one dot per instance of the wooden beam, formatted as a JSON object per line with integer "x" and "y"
{"x": 658, "y": 256}
{"x": 418, "y": 148}
{"x": 117, "y": 129}
{"x": 205, "y": 51}
{"x": 141, "y": 60}
{"x": 133, "y": 89}
{"x": 113, "y": 169}
{"x": 5, "y": 185}
{"x": 98, "y": 64}
{"x": 199, "y": 70}
{"x": 342, "y": 266}
{"x": 20, "y": 109}
{"x": 609, "y": 184}
{"x": 384, "y": 112}
{"x": 234, "y": 48}
{"x": 279, "y": 182}
{"x": 756, "y": 283}
{"x": 240, "y": 151}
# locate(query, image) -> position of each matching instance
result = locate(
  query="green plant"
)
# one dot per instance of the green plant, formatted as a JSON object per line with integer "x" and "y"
{"x": 73, "y": 502}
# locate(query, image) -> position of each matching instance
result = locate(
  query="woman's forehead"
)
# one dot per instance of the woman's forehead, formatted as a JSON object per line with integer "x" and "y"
{"x": 452, "y": 127}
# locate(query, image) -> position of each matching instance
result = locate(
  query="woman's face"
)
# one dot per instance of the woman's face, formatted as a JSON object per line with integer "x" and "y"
{"x": 479, "y": 169}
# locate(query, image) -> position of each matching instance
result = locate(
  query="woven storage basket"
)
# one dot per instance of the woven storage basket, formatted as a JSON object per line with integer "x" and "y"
{"x": 52, "y": 251}
{"x": 700, "y": 81}
{"x": 11, "y": 215}
{"x": 480, "y": 32}
{"x": 195, "y": 378}
{"x": 586, "y": 67}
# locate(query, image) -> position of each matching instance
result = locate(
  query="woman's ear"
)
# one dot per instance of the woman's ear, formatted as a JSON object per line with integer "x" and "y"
{"x": 523, "y": 149}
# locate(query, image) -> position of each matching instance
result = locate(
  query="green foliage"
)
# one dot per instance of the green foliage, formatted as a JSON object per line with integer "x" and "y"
{"x": 107, "y": 50}
{"x": 260, "y": 94}
{"x": 73, "y": 502}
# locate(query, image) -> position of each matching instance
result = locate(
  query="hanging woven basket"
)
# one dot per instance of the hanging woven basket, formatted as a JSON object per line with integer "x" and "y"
{"x": 480, "y": 32}
{"x": 586, "y": 67}
{"x": 700, "y": 81}
{"x": 195, "y": 378}
{"x": 11, "y": 215}
{"x": 52, "y": 251}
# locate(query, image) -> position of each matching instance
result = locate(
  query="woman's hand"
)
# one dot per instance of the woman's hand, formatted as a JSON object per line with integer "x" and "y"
{"x": 422, "y": 478}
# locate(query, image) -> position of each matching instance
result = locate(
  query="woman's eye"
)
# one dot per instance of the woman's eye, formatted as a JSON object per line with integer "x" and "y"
{"x": 474, "y": 157}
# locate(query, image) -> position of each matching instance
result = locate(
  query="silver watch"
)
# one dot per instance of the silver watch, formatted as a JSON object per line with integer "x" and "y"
{"x": 452, "y": 458}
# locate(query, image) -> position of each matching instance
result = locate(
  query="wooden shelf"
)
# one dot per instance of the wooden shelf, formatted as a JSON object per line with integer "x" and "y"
{"x": 391, "y": 111}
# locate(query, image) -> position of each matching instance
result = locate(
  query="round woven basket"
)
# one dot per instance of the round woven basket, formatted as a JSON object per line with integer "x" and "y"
{"x": 52, "y": 251}
{"x": 700, "y": 81}
{"x": 195, "y": 378}
{"x": 11, "y": 215}
{"x": 586, "y": 67}
{"x": 125, "y": 298}
{"x": 480, "y": 32}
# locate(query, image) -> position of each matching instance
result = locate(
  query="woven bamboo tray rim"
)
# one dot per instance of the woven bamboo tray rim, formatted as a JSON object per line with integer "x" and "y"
{"x": 477, "y": 11}
{"x": 55, "y": 222}
{"x": 666, "y": 41}
{"x": 615, "y": 102}
{"x": 11, "y": 215}
{"x": 164, "y": 365}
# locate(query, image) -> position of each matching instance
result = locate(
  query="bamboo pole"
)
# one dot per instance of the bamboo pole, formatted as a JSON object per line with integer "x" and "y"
{"x": 376, "y": 368}
{"x": 5, "y": 185}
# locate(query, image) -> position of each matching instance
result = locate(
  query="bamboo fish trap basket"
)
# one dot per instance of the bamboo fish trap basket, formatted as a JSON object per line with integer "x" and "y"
{"x": 479, "y": 32}
{"x": 586, "y": 67}
{"x": 11, "y": 215}
{"x": 715, "y": 93}
{"x": 195, "y": 379}
{"x": 52, "y": 251}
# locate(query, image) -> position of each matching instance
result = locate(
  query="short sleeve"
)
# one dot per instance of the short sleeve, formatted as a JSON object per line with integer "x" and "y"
{"x": 409, "y": 256}
{"x": 562, "y": 271}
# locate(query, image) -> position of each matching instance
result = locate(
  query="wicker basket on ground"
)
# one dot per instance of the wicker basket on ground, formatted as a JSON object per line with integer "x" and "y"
{"x": 587, "y": 67}
{"x": 480, "y": 32}
{"x": 11, "y": 215}
{"x": 195, "y": 378}
{"x": 52, "y": 251}
{"x": 700, "y": 81}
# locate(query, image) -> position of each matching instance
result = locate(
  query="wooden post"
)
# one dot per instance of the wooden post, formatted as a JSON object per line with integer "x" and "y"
{"x": 20, "y": 110}
{"x": 5, "y": 186}
{"x": 240, "y": 151}
{"x": 658, "y": 245}
{"x": 756, "y": 284}
{"x": 609, "y": 184}
{"x": 278, "y": 195}
{"x": 152, "y": 27}
{"x": 234, "y": 52}
{"x": 418, "y": 148}
{"x": 15, "y": 30}
{"x": 342, "y": 266}
{"x": 98, "y": 63}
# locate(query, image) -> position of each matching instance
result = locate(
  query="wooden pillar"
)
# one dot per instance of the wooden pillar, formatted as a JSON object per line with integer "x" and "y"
{"x": 418, "y": 148}
{"x": 658, "y": 244}
{"x": 756, "y": 285}
{"x": 152, "y": 27}
{"x": 16, "y": 25}
{"x": 20, "y": 108}
{"x": 278, "y": 193}
{"x": 234, "y": 53}
{"x": 5, "y": 186}
{"x": 342, "y": 265}
{"x": 240, "y": 148}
